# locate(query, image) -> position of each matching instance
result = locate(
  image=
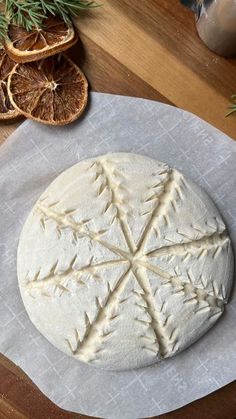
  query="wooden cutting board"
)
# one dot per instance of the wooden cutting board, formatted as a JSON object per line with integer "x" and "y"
{"x": 156, "y": 41}
{"x": 150, "y": 49}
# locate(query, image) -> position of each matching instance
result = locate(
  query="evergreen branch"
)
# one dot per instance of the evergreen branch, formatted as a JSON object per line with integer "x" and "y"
{"x": 31, "y": 13}
{"x": 233, "y": 106}
{"x": 66, "y": 8}
{"x": 3, "y": 26}
{"x": 25, "y": 13}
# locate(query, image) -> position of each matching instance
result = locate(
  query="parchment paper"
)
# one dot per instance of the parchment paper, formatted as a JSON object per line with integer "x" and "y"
{"x": 29, "y": 160}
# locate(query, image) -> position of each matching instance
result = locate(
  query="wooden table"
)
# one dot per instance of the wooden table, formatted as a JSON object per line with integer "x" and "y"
{"x": 150, "y": 49}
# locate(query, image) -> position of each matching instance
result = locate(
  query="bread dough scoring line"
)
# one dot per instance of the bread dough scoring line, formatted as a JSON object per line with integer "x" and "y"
{"x": 134, "y": 257}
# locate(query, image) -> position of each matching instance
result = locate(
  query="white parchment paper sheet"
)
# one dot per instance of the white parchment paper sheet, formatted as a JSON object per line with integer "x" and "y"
{"x": 29, "y": 160}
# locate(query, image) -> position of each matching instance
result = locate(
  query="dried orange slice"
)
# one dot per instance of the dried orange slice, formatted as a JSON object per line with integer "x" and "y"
{"x": 53, "y": 91}
{"x": 55, "y": 36}
{"x": 7, "y": 110}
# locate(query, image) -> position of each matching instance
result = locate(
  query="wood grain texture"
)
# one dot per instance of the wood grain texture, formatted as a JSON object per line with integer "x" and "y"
{"x": 157, "y": 41}
{"x": 7, "y": 128}
{"x": 147, "y": 49}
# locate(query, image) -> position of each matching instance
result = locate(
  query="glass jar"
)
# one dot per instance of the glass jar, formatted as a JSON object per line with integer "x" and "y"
{"x": 216, "y": 24}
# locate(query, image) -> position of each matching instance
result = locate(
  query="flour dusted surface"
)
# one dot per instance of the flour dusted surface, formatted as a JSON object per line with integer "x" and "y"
{"x": 123, "y": 262}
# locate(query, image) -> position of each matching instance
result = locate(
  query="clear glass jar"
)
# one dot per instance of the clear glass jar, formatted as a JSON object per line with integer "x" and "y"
{"x": 216, "y": 24}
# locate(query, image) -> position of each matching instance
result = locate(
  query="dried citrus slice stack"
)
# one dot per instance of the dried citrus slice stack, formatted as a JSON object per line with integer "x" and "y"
{"x": 7, "y": 111}
{"x": 55, "y": 36}
{"x": 52, "y": 91}
{"x": 44, "y": 85}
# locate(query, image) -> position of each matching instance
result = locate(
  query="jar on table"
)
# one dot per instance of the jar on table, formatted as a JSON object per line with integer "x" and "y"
{"x": 216, "y": 24}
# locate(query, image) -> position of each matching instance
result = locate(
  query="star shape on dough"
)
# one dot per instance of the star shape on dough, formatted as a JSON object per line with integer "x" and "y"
{"x": 138, "y": 262}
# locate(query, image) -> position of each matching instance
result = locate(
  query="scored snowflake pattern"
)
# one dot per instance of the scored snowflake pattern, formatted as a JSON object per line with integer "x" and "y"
{"x": 162, "y": 274}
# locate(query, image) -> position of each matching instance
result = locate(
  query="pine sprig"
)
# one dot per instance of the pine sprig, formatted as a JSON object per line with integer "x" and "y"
{"x": 66, "y": 8}
{"x": 25, "y": 13}
{"x": 31, "y": 13}
{"x": 232, "y": 107}
{"x": 3, "y": 26}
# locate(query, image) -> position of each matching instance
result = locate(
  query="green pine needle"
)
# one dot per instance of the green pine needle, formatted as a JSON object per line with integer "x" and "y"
{"x": 31, "y": 13}
{"x": 66, "y": 8}
{"x": 233, "y": 106}
{"x": 3, "y": 26}
{"x": 26, "y": 13}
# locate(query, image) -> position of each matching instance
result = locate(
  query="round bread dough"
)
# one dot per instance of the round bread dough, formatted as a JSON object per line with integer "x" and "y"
{"x": 123, "y": 262}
